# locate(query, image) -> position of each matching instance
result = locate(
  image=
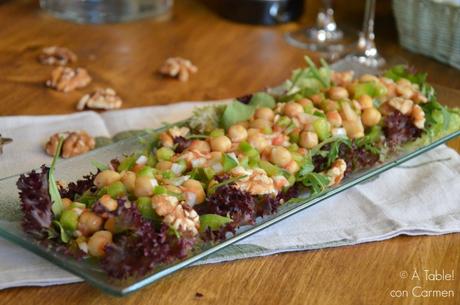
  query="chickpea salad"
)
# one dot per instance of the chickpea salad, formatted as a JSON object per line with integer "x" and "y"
{"x": 197, "y": 182}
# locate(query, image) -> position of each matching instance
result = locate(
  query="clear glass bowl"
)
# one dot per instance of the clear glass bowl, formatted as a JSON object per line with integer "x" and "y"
{"x": 106, "y": 11}
{"x": 72, "y": 169}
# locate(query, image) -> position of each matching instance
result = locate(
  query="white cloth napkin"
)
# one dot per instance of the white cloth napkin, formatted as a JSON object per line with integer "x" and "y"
{"x": 420, "y": 197}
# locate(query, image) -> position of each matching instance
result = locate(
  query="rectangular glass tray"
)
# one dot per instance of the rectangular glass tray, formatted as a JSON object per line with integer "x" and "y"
{"x": 73, "y": 169}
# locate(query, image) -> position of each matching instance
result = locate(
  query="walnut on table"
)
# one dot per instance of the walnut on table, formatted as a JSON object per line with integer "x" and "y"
{"x": 66, "y": 79}
{"x": 58, "y": 56}
{"x": 104, "y": 99}
{"x": 178, "y": 67}
{"x": 75, "y": 143}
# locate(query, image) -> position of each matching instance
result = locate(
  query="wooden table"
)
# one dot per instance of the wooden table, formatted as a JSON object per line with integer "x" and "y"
{"x": 233, "y": 60}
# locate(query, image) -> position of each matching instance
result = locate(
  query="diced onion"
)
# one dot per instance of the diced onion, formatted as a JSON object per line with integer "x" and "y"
{"x": 198, "y": 162}
{"x": 142, "y": 160}
{"x": 339, "y": 132}
{"x": 153, "y": 182}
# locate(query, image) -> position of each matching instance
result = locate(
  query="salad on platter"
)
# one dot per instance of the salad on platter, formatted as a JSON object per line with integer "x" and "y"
{"x": 198, "y": 181}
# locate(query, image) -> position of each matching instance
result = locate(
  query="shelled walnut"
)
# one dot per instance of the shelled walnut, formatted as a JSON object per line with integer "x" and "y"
{"x": 75, "y": 143}
{"x": 105, "y": 99}
{"x": 58, "y": 56}
{"x": 178, "y": 215}
{"x": 66, "y": 79}
{"x": 178, "y": 67}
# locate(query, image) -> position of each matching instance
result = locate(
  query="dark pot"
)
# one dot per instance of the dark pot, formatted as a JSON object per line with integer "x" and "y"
{"x": 260, "y": 11}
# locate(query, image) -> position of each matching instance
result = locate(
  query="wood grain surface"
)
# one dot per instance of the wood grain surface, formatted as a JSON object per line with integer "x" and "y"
{"x": 233, "y": 59}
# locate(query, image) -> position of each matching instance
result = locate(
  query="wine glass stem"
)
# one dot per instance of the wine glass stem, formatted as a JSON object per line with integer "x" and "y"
{"x": 366, "y": 40}
{"x": 325, "y": 19}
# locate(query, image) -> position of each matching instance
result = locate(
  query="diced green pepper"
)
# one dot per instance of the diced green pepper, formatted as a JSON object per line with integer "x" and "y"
{"x": 294, "y": 136}
{"x": 87, "y": 198}
{"x": 165, "y": 153}
{"x": 270, "y": 169}
{"x": 309, "y": 108}
{"x": 374, "y": 133}
{"x": 322, "y": 128}
{"x": 248, "y": 150}
{"x": 126, "y": 163}
{"x": 208, "y": 172}
{"x": 69, "y": 220}
{"x": 146, "y": 171}
{"x": 79, "y": 205}
{"x": 168, "y": 174}
{"x": 159, "y": 190}
{"x": 283, "y": 121}
{"x": 144, "y": 204}
{"x": 216, "y": 133}
{"x": 116, "y": 189}
{"x": 373, "y": 89}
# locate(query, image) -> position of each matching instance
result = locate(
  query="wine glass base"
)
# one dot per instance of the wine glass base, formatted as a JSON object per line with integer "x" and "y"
{"x": 376, "y": 61}
{"x": 316, "y": 40}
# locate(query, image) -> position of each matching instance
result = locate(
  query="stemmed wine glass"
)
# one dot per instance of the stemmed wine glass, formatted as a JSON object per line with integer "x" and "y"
{"x": 325, "y": 37}
{"x": 366, "y": 52}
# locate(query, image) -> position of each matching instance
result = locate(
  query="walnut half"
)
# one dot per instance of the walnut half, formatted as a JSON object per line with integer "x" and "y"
{"x": 75, "y": 143}
{"x": 178, "y": 67}
{"x": 105, "y": 99}
{"x": 66, "y": 79}
{"x": 58, "y": 56}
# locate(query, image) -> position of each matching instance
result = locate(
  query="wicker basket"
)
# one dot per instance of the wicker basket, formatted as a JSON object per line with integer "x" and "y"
{"x": 429, "y": 27}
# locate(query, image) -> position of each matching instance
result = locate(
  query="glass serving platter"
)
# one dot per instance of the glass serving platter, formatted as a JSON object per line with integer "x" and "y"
{"x": 70, "y": 170}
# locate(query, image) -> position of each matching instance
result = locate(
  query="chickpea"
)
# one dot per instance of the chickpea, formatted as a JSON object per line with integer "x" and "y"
{"x": 308, "y": 139}
{"x": 106, "y": 178}
{"x": 97, "y": 243}
{"x": 258, "y": 141}
{"x": 88, "y": 223}
{"x": 221, "y": 143}
{"x": 334, "y": 118}
{"x": 66, "y": 202}
{"x": 260, "y": 124}
{"x": 264, "y": 113}
{"x": 404, "y": 91}
{"x": 280, "y": 156}
{"x": 368, "y": 78}
{"x": 404, "y": 83}
{"x": 216, "y": 156}
{"x": 330, "y": 105}
{"x": 200, "y": 145}
{"x": 418, "y": 116}
{"x": 337, "y": 93}
{"x": 245, "y": 124}
{"x": 317, "y": 99}
{"x": 365, "y": 101}
{"x": 166, "y": 140}
{"x": 348, "y": 113}
{"x": 371, "y": 116}
{"x": 293, "y": 109}
{"x": 195, "y": 187}
{"x": 111, "y": 225}
{"x": 128, "y": 178}
{"x": 305, "y": 102}
{"x": 109, "y": 203}
{"x": 173, "y": 189}
{"x": 144, "y": 186}
{"x": 163, "y": 165}
{"x": 237, "y": 133}
{"x": 354, "y": 129}
{"x": 292, "y": 167}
